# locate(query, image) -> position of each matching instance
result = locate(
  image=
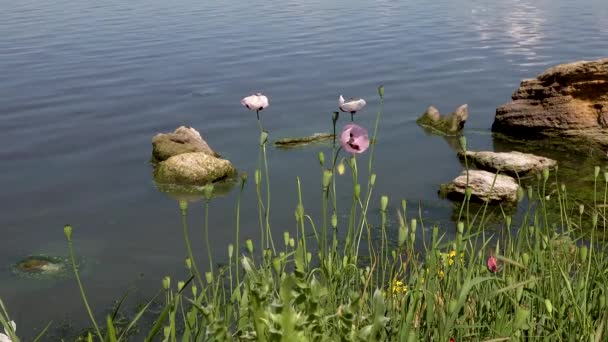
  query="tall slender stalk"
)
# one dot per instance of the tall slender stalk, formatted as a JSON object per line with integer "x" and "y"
{"x": 68, "y": 234}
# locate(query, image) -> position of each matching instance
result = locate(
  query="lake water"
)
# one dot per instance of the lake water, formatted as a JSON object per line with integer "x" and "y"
{"x": 85, "y": 85}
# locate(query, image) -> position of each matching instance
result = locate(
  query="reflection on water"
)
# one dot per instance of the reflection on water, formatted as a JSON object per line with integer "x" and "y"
{"x": 84, "y": 86}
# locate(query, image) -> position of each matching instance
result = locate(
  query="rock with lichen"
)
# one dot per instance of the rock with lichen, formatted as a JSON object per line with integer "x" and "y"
{"x": 512, "y": 163}
{"x": 485, "y": 187}
{"x": 193, "y": 168}
{"x": 182, "y": 140}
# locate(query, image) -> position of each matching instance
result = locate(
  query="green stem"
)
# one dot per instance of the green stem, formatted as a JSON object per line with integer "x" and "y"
{"x": 189, "y": 249}
{"x": 81, "y": 288}
{"x": 207, "y": 236}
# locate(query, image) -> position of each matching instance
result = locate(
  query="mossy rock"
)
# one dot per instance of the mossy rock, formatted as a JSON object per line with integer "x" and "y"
{"x": 449, "y": 125}
{"x": 195, "y": 168}
{"x": 42, "y": 266}
{"x": 301, "y": 141}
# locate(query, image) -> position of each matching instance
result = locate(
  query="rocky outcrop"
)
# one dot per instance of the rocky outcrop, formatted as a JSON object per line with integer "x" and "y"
{"x": 450, "y": 124}
{"x": 566, "y": 100}
{"x": 512, "y": 163}
{"x": 193, "y": 168}
{"x": 485, "y": 187}
{"x": 182, "y": 140}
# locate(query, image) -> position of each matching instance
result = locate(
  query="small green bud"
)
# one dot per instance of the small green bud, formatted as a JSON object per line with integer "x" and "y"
{"x": 468, "y": 192}
{"x": 381, "y": 91}
{"x": 594, "y": 220}
{"x": 545, "y": 174}
{"x": 581, "y": 209}
{"x": 308, "y": 257}
{"x": 208, "y": 191}
{"x": 548, "y": 306}
{"x": 452, "y": 305}
{"x": 335, "y": 116}
{"x": 166, "y": 283}
{"x": 357, "y": 191}
{"x": 249, "y": 245}
{"x": 244, "y": 178}
{"x": 520, "y": 194}
{"x": 67, "y": 231}
{"x": 583, "y": 251}
{"x": 413, "y": 225}
{"x": 321, "y": 157}
{"x": 230, "y": 251}
{"x": 372, "y": 179}
{"x": 460, "y": 227}
{"x": 282, "y": 255}
{"x": 402, "y": 236}
{"x": 257, "y": 177}
{"x": 286, "y": 238}
{"x": 596, "y": 172}
{"x": 276, "y": 264}
{"x": 341, "y": 168}
{"x": 531, "y": 230}
{"x": 183, "y": 205}
{"x": 563, "y": 187}
{"x": 292, "y": 243}
{"x": 263, "y": 137}
{"x": 508, "y": 221}
{"x": 334, "y": 220}
{"x": 194, "y": 291}
{"x": 209, "y": 277}
{"x": 394, "y": 254}
{"x": 463, "y": 142}
{"x": 188, "y": 263}
{"x": 327, "y": 174}
{"x": 383, "y": 203}
{"x": 300, "y": 210}
{"x": 180, "y": 285}
{"x": 345, "y": 261}
{"x": 525, "y": 258}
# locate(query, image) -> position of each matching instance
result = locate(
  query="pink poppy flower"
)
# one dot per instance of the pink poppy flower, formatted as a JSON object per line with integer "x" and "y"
{"x": 350, "y": 106}
{"x": 492, "y": 264}
{"x": 354, "y": 139}
{"x": 255, "y": 102}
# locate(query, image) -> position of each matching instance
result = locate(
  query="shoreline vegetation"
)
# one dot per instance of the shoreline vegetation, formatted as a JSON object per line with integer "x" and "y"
{"x": 539, "y": 275}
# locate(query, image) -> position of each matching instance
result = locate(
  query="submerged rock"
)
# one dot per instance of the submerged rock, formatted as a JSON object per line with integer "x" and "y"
{"x": 566, "y": 100}
{"x": 485, "y": 186}
{"x": 299, "y": 141}
{"x": 194, "y": 168}
{"x": 513, "y": 163}
{"x": 195, "y": 193}
{"x": 450, "y": 124}
{"x": 41, "y": 266}
{"x": 182, "y": 140}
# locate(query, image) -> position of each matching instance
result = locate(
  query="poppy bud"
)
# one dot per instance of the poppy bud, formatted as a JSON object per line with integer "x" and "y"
{"x": 249, "y": 245}
{"x": 383, "y": 203}
{"x": 166, "y": 283}
{"x": 183, "y": 205}
{"x": 67, "y": 231}
{"x": 321, "y": 157}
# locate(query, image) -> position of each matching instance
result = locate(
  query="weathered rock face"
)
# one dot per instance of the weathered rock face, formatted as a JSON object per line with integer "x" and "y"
{"x": 193, "y": 168}
{"x": 513, "y": 163}
{"x": 568, "y": 99}
{"x": 504, "y": 189}
{"x": 450, "y": 124}
{"x": 183, "y": 140}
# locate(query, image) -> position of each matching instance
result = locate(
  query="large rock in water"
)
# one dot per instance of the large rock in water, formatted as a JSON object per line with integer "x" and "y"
{"x": 483, "y": 187}
{"x": 450, "y": 124}
{"x": 513, "y": 163}
{"x": 193, "y": 168}
{"x": 183, "y": 140}
{"x": 566, "y": 100}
